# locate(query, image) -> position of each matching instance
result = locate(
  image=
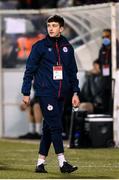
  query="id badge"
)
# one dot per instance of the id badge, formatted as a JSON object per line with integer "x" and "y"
{"x": 106, "y": 70}
{"x": 57, "y": 73}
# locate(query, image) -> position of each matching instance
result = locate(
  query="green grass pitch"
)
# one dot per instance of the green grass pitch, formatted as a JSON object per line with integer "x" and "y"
{"x": 18, "y": 160}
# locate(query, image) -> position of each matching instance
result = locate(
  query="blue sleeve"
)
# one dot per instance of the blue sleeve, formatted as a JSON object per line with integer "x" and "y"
{"x": 32, "y": 65}
{"x": 72, "y": 70}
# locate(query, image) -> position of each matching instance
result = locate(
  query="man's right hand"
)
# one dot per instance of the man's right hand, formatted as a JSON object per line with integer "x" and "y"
{"x": 26, "y": 100}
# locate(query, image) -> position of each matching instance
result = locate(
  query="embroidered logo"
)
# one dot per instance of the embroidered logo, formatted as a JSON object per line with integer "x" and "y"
{"x": 50, "y": 107}
{"x": 49, "y": 49}
{"x": 65, "y": 49}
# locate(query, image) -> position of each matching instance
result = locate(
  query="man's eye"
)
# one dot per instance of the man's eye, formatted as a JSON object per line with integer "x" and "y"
{"x": 54, "y": 25}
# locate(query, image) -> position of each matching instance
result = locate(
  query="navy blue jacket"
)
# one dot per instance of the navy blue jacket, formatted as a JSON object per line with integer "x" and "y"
{"x": 39, "y": 67}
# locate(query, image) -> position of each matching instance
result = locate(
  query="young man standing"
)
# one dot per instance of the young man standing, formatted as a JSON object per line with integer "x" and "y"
{"x": 52, "y": 66}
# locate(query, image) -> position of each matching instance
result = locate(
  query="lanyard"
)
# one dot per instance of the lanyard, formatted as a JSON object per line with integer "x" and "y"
{"x": 107, "y": 57}
{"x": 58, "y": 52}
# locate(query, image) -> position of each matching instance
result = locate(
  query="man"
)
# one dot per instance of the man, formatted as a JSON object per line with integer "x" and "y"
{"x": 52, "y": 65}
{"x": 105, "y": 59}
{"x": 105, "y": 54}
{"x": 92, "y": 92}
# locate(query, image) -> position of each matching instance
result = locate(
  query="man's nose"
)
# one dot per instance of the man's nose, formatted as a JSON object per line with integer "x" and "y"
{"x": 50, "y": 28}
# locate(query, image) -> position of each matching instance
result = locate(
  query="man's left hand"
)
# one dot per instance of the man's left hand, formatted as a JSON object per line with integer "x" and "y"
{"x": 75, "y": 101}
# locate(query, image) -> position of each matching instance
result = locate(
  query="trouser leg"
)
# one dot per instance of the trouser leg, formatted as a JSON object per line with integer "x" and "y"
{"x": 52, "y": 109}
{"x": 45, "y": 140}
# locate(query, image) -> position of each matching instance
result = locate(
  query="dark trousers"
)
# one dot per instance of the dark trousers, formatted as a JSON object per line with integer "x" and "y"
{"x": 52, "y": 109}
{"x": 108, "y": 104}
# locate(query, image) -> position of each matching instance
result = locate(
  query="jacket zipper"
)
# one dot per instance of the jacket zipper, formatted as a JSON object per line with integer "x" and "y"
{"x": 60, "y": 83}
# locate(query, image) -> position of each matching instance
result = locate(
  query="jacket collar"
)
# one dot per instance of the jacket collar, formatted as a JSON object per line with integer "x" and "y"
{"x": 51, "y": 41}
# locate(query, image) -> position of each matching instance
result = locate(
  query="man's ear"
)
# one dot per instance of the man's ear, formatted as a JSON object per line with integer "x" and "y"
{"x": 61, "y": 29}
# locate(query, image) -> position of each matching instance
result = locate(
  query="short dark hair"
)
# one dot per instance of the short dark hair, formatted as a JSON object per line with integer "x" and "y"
{"x": 107, "y": 30}
{"x": 96, "y": 61}
{"x": 56, "y": 18}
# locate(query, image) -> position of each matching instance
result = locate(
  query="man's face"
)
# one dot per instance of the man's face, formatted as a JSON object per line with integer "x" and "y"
{"x": 54, "y": 29}
{"x": 106, "y": 34}
{"x": 96, "y": 68}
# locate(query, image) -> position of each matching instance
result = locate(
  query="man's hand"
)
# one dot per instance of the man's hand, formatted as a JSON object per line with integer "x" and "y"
{"x": 23, "y": 106}
{"x": 75, "y": 101}
{"x": 26, "y": 100}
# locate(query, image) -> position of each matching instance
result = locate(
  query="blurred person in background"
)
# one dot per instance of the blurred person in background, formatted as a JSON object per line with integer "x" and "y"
{"x": 105, "y": 60}
{"x": 35, "y": 119}
{"x": 92, "y": 92}
{"x": 24, "y": 44}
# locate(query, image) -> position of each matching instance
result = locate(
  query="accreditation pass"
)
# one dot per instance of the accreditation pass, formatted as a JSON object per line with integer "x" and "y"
{"x": 57, "y": 72}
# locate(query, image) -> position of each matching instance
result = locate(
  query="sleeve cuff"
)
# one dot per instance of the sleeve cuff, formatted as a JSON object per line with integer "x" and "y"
{"x": 75, "y": 93}
{"x": 26, "y": 94}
